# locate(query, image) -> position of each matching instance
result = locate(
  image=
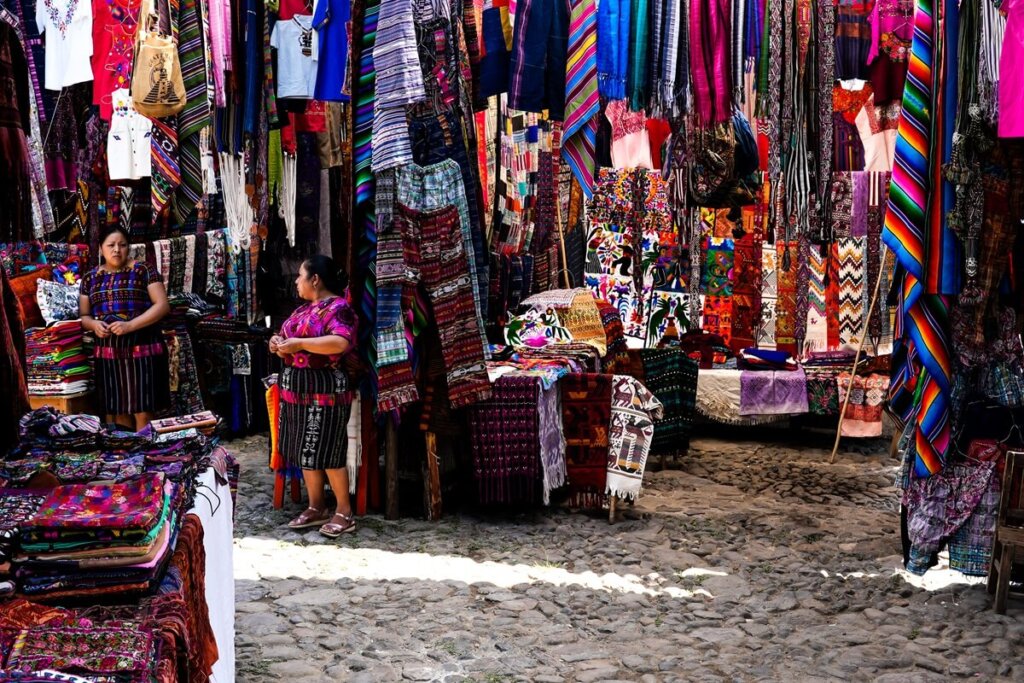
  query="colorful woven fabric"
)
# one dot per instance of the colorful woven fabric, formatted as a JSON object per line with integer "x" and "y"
{"x": 579, "y": 133}
{"x": 505, "y": 438}
{"x": 196, "y": 114}
{"x": 864, "y": 411}
{"x": 786, "y": 306}
{"x": 849, "y": 255}
{"x": 586, "y": 418}
{"x": 435, "y": 247}
{"x": 333, "y": 316}
{"x": 915, "y": 231}
{"x": 672, "y": 378}
{"x": 634, "y": 409}
{"x": 746, "y": 291}
{"x": 115, "y": 649}
{"x": 128, "y": 506}
{"x": 771, "y": 392}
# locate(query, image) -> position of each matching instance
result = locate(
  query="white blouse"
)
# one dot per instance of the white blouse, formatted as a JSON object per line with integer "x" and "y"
{"x": 129, "y": 155}
{"x": 66, "y": 26}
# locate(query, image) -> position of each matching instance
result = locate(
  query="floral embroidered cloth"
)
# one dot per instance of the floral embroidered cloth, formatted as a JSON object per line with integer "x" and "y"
{"x": 78, "y": 645}
{"x": 135, "y": 504}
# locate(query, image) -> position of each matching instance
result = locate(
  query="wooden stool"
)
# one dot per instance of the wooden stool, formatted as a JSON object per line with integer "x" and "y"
{"x": 1009, "y": 541}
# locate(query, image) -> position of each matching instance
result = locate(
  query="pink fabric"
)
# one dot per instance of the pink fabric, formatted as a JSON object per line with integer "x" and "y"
{"x": 1011, "y": 76}
{"x": 319, "y": 319}
{"x": 631, "y": 147}
{"x": 220, "y": 46}
{"x": 710, "y": 38}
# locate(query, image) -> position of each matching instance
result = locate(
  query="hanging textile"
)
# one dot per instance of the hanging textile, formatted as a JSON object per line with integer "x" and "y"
{"x": 581, "y": 99}
{"x": 914, "y": 231}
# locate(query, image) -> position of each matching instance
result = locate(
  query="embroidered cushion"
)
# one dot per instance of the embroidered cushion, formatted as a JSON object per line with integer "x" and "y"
{"x": 57, "y": 301}
{"x": 24, "y": 288}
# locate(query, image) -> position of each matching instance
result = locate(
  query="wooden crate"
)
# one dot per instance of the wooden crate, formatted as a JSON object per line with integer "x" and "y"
{"x": 77, "y": 403}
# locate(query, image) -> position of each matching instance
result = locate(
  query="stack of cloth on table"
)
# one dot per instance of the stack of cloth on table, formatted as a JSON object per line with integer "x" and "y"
{"x": 98, "y": 539}
{"x": 65, "y": 449}
{"x": 166, "y": 637}
{"x": 204, "y": 422}
{"x": 16, "y": 507}
{"x": 57, "y": 364}
{"x": 823, "y": 369}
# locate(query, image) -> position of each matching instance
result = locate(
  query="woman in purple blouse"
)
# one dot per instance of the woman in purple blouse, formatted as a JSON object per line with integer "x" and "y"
{"x": 315, "y": 398}
{"x": 121, "y": 301}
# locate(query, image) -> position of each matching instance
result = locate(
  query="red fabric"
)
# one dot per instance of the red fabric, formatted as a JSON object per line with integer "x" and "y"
{"x": 24, "y": 288}
{"x": 658, "y": 131}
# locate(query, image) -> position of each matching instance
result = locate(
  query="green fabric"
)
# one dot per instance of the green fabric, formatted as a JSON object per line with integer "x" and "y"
{"x": 636, "y": 84}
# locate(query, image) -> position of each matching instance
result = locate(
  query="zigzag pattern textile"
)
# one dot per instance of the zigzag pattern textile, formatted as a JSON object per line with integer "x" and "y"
{"x": 915, "y": 231}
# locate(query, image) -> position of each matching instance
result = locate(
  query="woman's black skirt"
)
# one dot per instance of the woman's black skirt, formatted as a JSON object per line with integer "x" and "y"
{"x": 315, "y": 407}
{"x": 132, "y": 373}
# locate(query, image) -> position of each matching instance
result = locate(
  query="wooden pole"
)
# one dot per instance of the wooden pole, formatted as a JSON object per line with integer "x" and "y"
{"x": 433, "y": 479}
{"x": 612, "y": 502}
{"x": 860, "y": 348}
{"x": 391, "y": 469}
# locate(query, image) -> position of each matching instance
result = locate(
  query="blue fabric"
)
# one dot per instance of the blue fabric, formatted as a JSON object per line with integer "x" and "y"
{"x": 494, "y": 64}
{"x": 540, "y": 44}
{"x": 330, "y": 19}
{"x": 613, "y": 31}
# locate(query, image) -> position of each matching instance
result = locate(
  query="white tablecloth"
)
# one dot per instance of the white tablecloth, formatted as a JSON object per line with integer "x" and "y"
{"x": 213, "y": 507}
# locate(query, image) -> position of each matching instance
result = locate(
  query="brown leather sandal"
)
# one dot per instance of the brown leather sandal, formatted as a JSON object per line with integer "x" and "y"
{"x": 333, "y": 529}
{"x": 310, "y": 517}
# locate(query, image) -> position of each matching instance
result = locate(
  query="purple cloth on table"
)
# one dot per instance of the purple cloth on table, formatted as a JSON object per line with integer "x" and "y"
{"x": 773, "y": 392}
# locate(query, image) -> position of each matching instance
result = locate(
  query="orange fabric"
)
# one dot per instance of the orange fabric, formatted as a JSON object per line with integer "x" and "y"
{"x": 24, "y": 288}
{"x": 274, "y": 412}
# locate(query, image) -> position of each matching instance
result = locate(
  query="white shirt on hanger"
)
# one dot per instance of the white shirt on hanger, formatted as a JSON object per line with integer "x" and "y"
{"x": 66, "y": 26}
{"x": 296, "y": 47}
{"x": 129, "y": 153}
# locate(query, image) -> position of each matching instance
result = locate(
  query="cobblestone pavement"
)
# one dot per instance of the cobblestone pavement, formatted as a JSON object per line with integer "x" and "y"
{"x": 745, "y": 561}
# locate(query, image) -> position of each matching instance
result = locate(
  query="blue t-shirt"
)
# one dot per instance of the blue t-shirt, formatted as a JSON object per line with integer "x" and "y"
{"x": 330, "y": 19}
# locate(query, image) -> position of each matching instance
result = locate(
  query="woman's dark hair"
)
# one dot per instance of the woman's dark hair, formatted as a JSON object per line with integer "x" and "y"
{"x": 110, "y": 230}
{"x": 335, "y": 279}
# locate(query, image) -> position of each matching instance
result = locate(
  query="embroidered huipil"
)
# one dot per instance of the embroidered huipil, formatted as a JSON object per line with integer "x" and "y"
{"x": 129, "y": 154}
{"x": 119, "y": 296}
{"x": 319, "y": 319}
{"x": 113, "y": 37}
{"x": 66, "y": 26}
{"x": 892, "y": 30}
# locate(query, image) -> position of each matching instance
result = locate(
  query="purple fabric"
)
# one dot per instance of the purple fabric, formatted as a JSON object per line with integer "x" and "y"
{"x": 859, "y": 208}
{"x": 773, "y": 392}
{"x": 937, "y": 506}
{"x": 710, "y": 38}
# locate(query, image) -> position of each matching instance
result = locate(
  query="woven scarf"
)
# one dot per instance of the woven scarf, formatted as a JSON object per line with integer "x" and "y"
{"x": 613, "y": 34}
{"x": 911, "y": 222}
{"x": 505, "y": 434}
{"x": 639, "y": 70}
{"x": 581, "y": 100}
{"x": 709, "y": 59}
{"x": 196, "y": 114}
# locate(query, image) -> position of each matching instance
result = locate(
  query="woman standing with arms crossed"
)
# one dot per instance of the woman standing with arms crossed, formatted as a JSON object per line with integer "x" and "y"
{"x": 315, "y": 398}
{"x": 120, "y": 302}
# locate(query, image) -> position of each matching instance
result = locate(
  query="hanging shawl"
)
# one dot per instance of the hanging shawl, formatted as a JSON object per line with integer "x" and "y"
{"x": 914, "y": 230}
{"x": 639, "y": 71}
{"x": 663, "y": 88}
{"x": 709, "y": 56}
{"x": 581, "y": 101}
{"x": 613, "y": 34}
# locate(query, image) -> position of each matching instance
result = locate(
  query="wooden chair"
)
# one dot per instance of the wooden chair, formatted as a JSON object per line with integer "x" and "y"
{"x": 1009, "y": 541}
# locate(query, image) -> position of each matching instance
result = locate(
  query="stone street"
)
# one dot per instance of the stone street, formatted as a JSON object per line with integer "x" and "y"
{"x": 744, "y": 561}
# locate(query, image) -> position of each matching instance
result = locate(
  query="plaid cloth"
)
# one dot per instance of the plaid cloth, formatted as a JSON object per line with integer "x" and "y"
{"x": 672, "y": 378}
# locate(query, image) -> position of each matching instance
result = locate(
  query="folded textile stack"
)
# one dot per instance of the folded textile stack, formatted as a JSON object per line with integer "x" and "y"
{"x": 16, "y": 507}
{"x": 98, "y": 539}
{"x": 764, "y": 359}
{"x": 204, "y": 423}
{"x": 56, "y": 360}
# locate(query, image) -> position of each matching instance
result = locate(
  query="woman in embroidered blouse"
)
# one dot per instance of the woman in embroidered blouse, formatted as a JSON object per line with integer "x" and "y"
{"x": 121, "y": 301}
{"x": 315, "y": 398}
